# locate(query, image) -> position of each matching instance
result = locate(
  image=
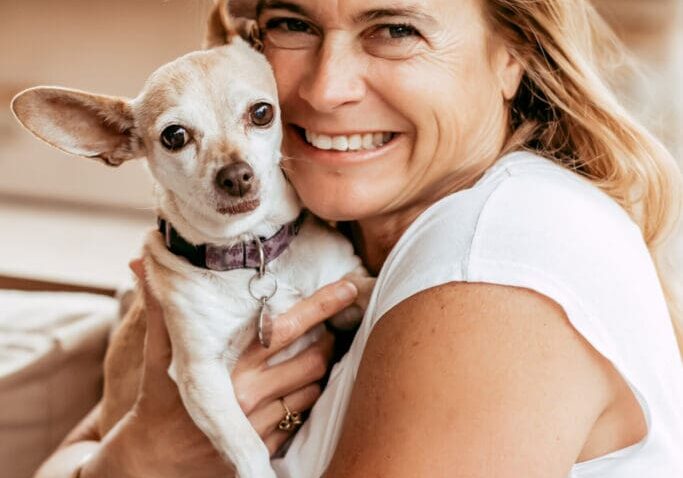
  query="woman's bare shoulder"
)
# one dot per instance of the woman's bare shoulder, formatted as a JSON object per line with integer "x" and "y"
{"x": 474, "y": 380}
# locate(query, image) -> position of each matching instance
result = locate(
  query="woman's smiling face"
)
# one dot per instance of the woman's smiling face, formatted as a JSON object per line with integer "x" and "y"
{"x": 387, "y": 104}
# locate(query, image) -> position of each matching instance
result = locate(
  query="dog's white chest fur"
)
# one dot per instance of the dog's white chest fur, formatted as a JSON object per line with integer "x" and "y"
{"x": 211, "y": 317}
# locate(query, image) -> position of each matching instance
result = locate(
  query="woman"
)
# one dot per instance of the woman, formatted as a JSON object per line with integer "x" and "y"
{"x": 518, "y": 326}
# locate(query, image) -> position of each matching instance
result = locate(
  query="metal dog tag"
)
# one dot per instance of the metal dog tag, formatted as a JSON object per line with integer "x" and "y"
{"x": 265, "y": 324}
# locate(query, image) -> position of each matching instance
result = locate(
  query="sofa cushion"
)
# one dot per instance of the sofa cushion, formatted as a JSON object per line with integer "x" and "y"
{"x": 51, "y": 351}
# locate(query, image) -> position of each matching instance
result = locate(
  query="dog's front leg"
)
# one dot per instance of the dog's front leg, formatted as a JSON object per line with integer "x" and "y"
{"x": 208, "y": 396}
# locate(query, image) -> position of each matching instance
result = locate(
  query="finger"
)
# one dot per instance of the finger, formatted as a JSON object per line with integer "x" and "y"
{"x": 136, "y": 265}
{"x": 364, "y": 283}
{"x": 275, "y": 440}
{"x": 157, "y": 342}
{"x": 348, "y": 318}
{"x": 151, "y": 303}
{"x": 259, "y": 384}
{"x": 308, "y": 366}
{"x": 309, "y": 312}
{"x": 266, "y": 418}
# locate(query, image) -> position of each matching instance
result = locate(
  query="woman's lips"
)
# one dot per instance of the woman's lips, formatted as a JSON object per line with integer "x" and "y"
{"x": 339, "y": 153}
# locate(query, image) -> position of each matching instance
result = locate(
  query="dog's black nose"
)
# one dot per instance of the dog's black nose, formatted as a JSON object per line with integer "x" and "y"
{"x": 236, "y": 179}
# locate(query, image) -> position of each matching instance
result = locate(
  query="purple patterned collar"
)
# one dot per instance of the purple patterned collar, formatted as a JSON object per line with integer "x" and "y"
{"x": 226, "y": 258}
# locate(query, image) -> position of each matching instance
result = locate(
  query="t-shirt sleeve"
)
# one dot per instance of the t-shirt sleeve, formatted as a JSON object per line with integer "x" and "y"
{"x": 562, "y": 238}
{"x": 551, "y": 233}
{"x": 569, "y": 241}
{"x": 433, "y": 251}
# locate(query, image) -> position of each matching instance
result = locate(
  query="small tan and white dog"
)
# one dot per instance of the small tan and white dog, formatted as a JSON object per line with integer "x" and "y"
{"x": 209, "y": 127}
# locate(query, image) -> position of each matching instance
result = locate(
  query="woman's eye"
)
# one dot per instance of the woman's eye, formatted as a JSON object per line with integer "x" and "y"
{"x": 400, "y": 31}
{"x": 290, "y": 33}
{"x": 174, "y": 137}
{"x": 392, "y": 41}
{"x": 288, "y": 24}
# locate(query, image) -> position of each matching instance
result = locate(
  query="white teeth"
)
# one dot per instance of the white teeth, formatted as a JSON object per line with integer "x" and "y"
{"x": 321, "y": 141}
{"x": 340, "y": 143}
{"x": 353, "y": 142}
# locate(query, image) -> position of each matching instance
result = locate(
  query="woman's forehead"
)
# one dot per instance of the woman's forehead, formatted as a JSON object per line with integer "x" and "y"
{"x": 360, "y": 11}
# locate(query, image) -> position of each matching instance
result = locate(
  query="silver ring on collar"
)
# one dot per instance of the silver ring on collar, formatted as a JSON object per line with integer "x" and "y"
{"x": 267, "y": 279}
{"x": 261, "y": 256}
{"x": 264, "y": 324}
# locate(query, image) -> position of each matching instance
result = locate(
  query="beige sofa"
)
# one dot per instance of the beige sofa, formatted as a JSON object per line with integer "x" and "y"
{"x": 51, "y": 350}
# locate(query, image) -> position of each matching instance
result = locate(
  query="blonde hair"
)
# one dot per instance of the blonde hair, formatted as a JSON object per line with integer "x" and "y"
{"x": 565, "y": 110}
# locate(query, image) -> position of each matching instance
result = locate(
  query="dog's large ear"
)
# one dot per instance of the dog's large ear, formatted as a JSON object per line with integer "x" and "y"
{"x": 223, "y": 26}
{"x": 80, "y": 123}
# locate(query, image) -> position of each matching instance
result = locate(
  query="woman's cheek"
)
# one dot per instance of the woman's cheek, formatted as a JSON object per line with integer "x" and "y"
{"x": 426, "y": 95}
{"x": 290, "y": 68}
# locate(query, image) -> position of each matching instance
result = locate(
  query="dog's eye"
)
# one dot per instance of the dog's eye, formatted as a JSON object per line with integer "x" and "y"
{"x": 261, "y": 114}
{"x": 174, "y": 137}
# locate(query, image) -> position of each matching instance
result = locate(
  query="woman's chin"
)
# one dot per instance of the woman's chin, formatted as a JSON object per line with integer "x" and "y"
{"x": 332, "y": 210}
{"x": 337, "y": 207}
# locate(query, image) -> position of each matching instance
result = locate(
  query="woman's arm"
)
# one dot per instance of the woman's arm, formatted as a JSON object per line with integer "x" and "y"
{"x": 473, "y": 380}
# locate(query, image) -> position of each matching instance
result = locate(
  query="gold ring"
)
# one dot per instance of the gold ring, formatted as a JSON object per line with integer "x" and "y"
{"x": 291, "y": 421}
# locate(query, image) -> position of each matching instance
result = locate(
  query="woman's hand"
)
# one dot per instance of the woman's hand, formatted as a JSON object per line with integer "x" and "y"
{"x": 157, "y": 438}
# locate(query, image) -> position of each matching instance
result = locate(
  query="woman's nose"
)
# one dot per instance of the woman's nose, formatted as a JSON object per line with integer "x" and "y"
{"x": 335, "y": 81}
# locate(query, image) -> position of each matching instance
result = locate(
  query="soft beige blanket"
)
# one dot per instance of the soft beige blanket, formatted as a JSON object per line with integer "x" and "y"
{"x": 51, "y": 351}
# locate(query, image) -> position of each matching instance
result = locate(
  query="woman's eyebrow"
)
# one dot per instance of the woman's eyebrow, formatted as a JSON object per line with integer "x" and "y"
{"x": 407, "y": 11}
{"x": 280, "y": 5}
{"x": 369, "y": 15}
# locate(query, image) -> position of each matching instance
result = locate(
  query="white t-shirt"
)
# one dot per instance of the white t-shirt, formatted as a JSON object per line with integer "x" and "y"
{"x": 530, "y": 223}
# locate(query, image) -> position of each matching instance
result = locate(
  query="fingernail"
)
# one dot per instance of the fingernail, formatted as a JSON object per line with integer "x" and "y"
{"x": 346, "y": 291}
{"x": 135, "y": 268}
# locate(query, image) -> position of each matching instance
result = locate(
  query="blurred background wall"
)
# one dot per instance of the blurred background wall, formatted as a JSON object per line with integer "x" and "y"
{"x": 653, "y": 32}
{"x": 95, "y": 215}
{"x": 95, "y": 45}
{"x": 49, "y": 201}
